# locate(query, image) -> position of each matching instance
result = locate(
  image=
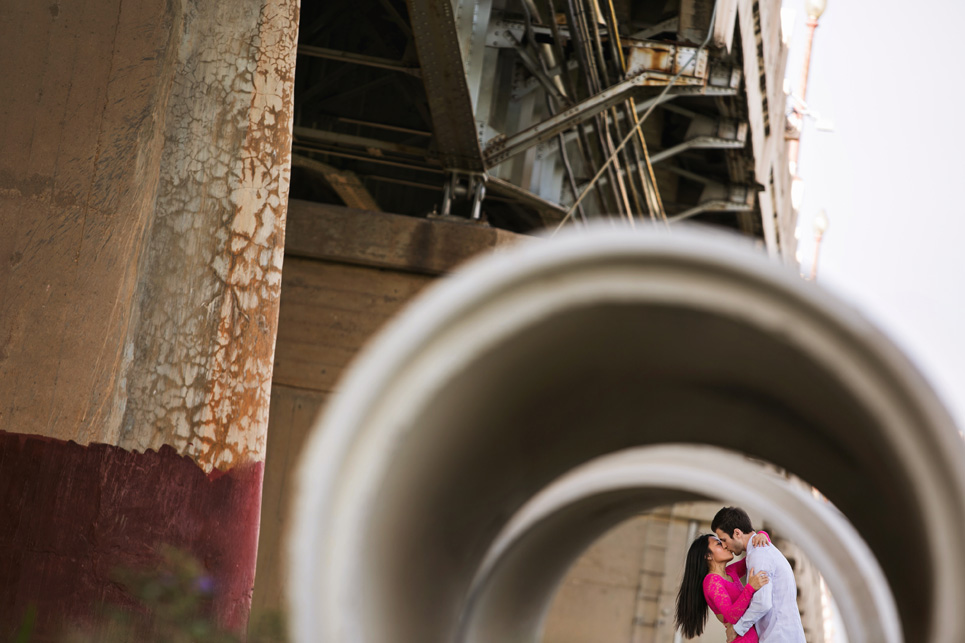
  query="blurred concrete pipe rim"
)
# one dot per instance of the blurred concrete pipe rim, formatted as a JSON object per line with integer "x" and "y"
{"x": 526, "y": 365}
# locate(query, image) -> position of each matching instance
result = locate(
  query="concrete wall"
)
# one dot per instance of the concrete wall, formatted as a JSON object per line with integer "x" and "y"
{"x": 813, "y": 599}
{"x": 624, "y": 587}
{"x": 328, "y": 311}
{"x": 347, "y": 272}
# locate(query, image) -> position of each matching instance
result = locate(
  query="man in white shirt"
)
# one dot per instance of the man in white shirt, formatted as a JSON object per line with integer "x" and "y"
{"x": 773, "y": 608}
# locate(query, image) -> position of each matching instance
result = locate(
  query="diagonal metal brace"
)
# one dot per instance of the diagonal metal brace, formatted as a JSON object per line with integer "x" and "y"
{"x": 700, "y": 143}
{"x": 502, "y": 148}
{"x": 720, "y": 197}
{"x": 444, "y": 77}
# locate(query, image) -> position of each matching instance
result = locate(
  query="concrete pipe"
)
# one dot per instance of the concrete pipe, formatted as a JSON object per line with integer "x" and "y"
{"x": 528, "y": 365}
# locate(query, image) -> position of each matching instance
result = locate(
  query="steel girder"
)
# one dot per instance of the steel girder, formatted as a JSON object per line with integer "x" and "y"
{"x": 503, "y": 148}
{"x": 447, "y": 88}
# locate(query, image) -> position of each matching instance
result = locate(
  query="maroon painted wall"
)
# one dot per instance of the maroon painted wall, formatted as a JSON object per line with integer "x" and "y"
{"x": 70, "y": 514}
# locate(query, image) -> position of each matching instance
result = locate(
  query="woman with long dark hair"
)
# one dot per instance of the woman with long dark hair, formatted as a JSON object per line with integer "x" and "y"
{"x": 710, "y": 582}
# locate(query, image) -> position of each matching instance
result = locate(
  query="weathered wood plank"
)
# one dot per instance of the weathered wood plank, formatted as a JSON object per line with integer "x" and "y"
{"x": 336, "y": 293}
{"x": 350, "y": 235}
{"x": 347, "y": 185}
{"x": 311, "y": 366}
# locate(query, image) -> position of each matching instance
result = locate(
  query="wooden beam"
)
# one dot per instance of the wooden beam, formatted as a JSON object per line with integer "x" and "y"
{"x": 349, "y": 140}
{"x": 346, "y": 184}
{"x": 358, "y": 59}
{"x": 350, "y": 235}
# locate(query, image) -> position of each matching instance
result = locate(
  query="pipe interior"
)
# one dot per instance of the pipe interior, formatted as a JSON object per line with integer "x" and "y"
{"x": 515, "y": 584}
{"x": 599, "y": 378}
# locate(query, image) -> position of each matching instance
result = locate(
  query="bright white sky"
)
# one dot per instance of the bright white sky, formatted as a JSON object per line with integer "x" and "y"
{"x": 888, "y": 74}
{"x": 890, "y": 175}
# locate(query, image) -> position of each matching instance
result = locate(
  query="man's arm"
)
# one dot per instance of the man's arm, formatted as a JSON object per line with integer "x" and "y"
{"x": 761, "y": 604}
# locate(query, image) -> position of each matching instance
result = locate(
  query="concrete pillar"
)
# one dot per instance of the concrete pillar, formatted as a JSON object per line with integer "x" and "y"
{"x": 143, "y": 187}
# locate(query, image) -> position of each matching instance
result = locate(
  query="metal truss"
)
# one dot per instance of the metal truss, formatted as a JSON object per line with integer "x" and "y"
{"x": 447, "y": 88}
{"x": 501, "y": 149}
{"x": 707, "y": 133}
{"x": 720, "y": 198}
{"x": 528, "y": 100}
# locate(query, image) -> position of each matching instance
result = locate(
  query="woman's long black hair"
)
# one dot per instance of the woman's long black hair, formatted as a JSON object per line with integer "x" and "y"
{"x": 691, "y": 603}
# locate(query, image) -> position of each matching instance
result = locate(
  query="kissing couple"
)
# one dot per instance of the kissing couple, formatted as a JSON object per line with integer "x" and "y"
{"x": 761, "y": 609}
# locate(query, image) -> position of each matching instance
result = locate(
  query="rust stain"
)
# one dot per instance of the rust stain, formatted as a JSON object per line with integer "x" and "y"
{"x": 237, "y": 400}
{"x": 236, "y": 403}
{"x": 659, "y": 59}
{"x": 204, "y": 350}
{"x": 652, "y": 58}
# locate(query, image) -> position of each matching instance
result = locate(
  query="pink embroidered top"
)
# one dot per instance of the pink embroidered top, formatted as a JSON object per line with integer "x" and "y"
{"x": 729, "y": 598}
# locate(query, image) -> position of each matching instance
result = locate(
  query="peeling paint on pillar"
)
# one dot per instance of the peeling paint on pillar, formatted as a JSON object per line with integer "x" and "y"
{"x": 203, "y": 349}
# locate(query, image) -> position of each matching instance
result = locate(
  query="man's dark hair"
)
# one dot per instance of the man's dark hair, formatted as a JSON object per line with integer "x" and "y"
{"x": 730, "y": 518}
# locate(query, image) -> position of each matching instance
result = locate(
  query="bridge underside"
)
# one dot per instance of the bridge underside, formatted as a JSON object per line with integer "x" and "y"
{"x": 514, "y": 111}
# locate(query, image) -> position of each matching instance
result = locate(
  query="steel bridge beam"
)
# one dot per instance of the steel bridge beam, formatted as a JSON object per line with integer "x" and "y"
{"x": 699, "y": 143}
{"x": 440, "y": 57}
{"x": 720, "y": 197}
{"x": 500, "y": 149}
